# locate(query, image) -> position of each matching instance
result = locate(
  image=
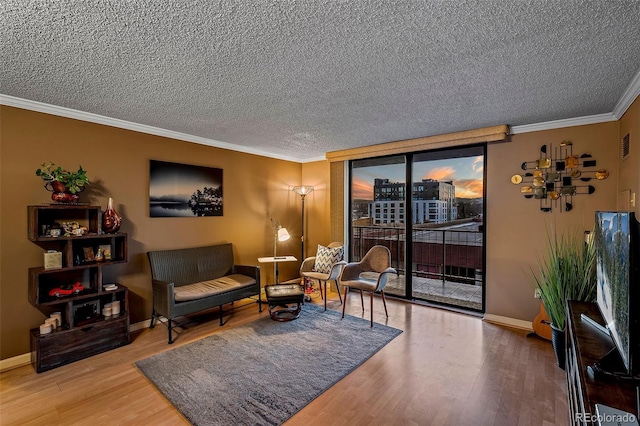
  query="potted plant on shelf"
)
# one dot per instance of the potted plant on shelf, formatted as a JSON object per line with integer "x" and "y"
{"x": 63, "y": 184}
{"x": 566, "y": 271}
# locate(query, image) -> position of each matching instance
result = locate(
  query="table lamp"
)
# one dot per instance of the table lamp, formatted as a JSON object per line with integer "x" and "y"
{"x": 279, "y": 234}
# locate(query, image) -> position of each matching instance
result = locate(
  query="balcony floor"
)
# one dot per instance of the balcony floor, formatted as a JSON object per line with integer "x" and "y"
{"x": 451, "y": 293}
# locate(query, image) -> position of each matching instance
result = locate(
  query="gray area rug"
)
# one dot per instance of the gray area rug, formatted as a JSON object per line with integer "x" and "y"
{"x": 265, "y": 371}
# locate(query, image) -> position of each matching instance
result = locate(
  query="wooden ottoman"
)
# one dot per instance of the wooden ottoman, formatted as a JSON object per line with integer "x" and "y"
{"x": 282, "y": 295}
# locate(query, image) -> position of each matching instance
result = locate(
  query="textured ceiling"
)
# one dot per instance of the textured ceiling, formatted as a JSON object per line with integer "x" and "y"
{"x": 294, "y": 79}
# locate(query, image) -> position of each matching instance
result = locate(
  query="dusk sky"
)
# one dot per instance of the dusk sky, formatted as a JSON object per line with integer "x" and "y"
{"x": 180, "y": 180}
{"x": 466, "y": 174}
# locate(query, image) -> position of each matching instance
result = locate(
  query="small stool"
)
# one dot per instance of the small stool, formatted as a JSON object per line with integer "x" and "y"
{"x": 284, "y": 294}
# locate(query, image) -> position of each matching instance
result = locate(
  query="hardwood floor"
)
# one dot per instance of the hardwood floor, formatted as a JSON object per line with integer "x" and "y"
{"x": 446, "y": 368}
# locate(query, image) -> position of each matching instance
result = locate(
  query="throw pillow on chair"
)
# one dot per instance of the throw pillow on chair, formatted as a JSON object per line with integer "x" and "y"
{"x": 326, "y": 257}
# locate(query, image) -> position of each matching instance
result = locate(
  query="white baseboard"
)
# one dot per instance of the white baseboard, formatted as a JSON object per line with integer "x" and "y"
{"x": 25, "y": 359}
{"x": 14, "y": 362}
{"x": 139, "y": 325}
{"x": 509, "y": 322}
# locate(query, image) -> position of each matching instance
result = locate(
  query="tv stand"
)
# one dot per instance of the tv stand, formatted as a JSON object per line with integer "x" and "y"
{"x": 601, "y": 328}
{"x": 586, "y": 349}
{"x": 610, "y": 367}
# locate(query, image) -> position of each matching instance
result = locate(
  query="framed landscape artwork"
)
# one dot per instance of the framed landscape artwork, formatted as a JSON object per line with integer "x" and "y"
{"x": 182, "y": 190}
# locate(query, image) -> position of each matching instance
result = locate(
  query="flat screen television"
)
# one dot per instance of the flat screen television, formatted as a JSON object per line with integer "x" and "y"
{"x": 617, "y": 242}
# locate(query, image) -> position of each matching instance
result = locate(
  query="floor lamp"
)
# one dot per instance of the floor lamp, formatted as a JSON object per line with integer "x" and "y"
{"x": 302, "y": 191}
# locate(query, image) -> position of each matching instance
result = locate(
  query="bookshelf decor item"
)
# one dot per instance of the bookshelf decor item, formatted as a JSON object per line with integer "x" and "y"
{"x": 111, "y": 219}
{"x": 557, "y": 176}
{"x": 63, "y": 184}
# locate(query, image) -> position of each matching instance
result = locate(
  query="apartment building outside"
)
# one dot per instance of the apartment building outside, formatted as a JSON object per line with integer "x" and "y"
{"x": 433, "y": 202}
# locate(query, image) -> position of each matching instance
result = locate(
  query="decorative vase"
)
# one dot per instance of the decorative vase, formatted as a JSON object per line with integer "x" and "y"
{"x": 558, "y": 343}
{"x": 60, "y": 193}
{"x": 111, "y": 219}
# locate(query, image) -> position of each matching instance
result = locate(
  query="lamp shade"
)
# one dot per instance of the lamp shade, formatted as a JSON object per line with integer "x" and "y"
{"x": 283, "y": 234}
{"x": 303, "y": 190}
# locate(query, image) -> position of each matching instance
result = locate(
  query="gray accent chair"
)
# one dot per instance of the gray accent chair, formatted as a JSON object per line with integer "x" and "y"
{"x": 190, "y": 280}
{"x": 370, "y": 275}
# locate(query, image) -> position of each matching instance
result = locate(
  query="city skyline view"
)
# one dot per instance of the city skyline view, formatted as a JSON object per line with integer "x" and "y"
{"x": 466, "y": 174}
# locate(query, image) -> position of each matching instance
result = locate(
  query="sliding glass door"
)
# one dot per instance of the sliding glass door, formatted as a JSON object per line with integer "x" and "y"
{"x": 434, "y": 227}
{"x": 378, "y": 211}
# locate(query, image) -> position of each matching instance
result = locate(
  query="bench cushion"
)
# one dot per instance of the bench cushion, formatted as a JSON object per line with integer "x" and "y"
{"x": 209, "y": 288}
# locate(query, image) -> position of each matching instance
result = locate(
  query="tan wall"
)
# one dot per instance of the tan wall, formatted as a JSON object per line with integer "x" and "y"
{"x": 255, "y": 189}
{"x": 516, "y": 228}
{"x": 629, "y": 174}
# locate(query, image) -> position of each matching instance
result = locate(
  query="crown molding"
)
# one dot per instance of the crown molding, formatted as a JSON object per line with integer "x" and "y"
{"x": 128, "y": 125}
{"x": 558, "y": 124}
{"x": 627, "y": 98}
{"x": 625, "y": 101}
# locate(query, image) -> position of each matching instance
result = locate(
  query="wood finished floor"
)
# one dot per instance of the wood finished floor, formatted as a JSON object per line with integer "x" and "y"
{"x": 445, "y": 369}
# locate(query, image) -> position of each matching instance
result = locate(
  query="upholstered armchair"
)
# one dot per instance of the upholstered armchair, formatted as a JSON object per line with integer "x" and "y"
{"x": 324, "y": 267}
{"x": 370, "y": 275}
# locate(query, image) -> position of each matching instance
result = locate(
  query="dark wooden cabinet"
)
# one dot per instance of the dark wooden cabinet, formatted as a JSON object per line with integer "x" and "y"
{"x": 84, "y": 331}
{"x": 585, "y": 345}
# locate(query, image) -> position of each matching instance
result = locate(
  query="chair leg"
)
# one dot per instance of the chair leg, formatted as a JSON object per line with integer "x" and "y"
{"x": 325, "y": 294}
{"x": 371, "y": 303}
{"x": 153, "y": 319}
{"x": 338, "y": 289}
{"x": 322, "y": 296}
{"x": 362, "y": 300}
{"x": 170, "y": 333}
{"x": 220, "y": 308}
{"x": 384, "y": 302}
{"x": 344, "y": 305}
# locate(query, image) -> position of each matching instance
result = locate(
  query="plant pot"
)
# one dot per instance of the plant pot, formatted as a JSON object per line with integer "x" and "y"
{"x": 558, "y": 343}
{"x": 59, "y": 192}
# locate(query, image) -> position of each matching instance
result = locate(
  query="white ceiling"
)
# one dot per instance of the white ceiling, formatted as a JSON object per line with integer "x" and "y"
{"x": 295, "y": 79}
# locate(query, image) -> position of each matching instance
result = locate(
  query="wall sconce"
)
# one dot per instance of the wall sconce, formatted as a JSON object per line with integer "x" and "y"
{"x": 302, "y": 191}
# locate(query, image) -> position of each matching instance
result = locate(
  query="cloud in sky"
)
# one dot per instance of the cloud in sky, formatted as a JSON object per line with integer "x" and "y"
{"x": 441, "y": 173}
{"x": 478, "y": 164}
{"x": 361, "y": 189}
{"x": 468, "y": 188}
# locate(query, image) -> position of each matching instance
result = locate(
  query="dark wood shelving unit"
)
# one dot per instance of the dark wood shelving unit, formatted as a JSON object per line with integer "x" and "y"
{"x": 585, "y": 345}
{"x": 79, "y": 336}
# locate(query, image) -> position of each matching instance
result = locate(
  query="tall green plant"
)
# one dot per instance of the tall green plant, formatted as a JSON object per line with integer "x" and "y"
{"x": 566, "y": 271}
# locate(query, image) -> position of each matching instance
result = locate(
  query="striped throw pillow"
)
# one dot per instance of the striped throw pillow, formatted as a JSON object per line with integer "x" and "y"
{"x": 326, "y": 257}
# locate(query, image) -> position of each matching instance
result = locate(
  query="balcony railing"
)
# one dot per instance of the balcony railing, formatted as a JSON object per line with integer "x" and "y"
{"x": 451, "y": 256}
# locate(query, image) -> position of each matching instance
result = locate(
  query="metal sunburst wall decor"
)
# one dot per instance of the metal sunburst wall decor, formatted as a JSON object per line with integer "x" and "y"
{"x": 557, "y": 176}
